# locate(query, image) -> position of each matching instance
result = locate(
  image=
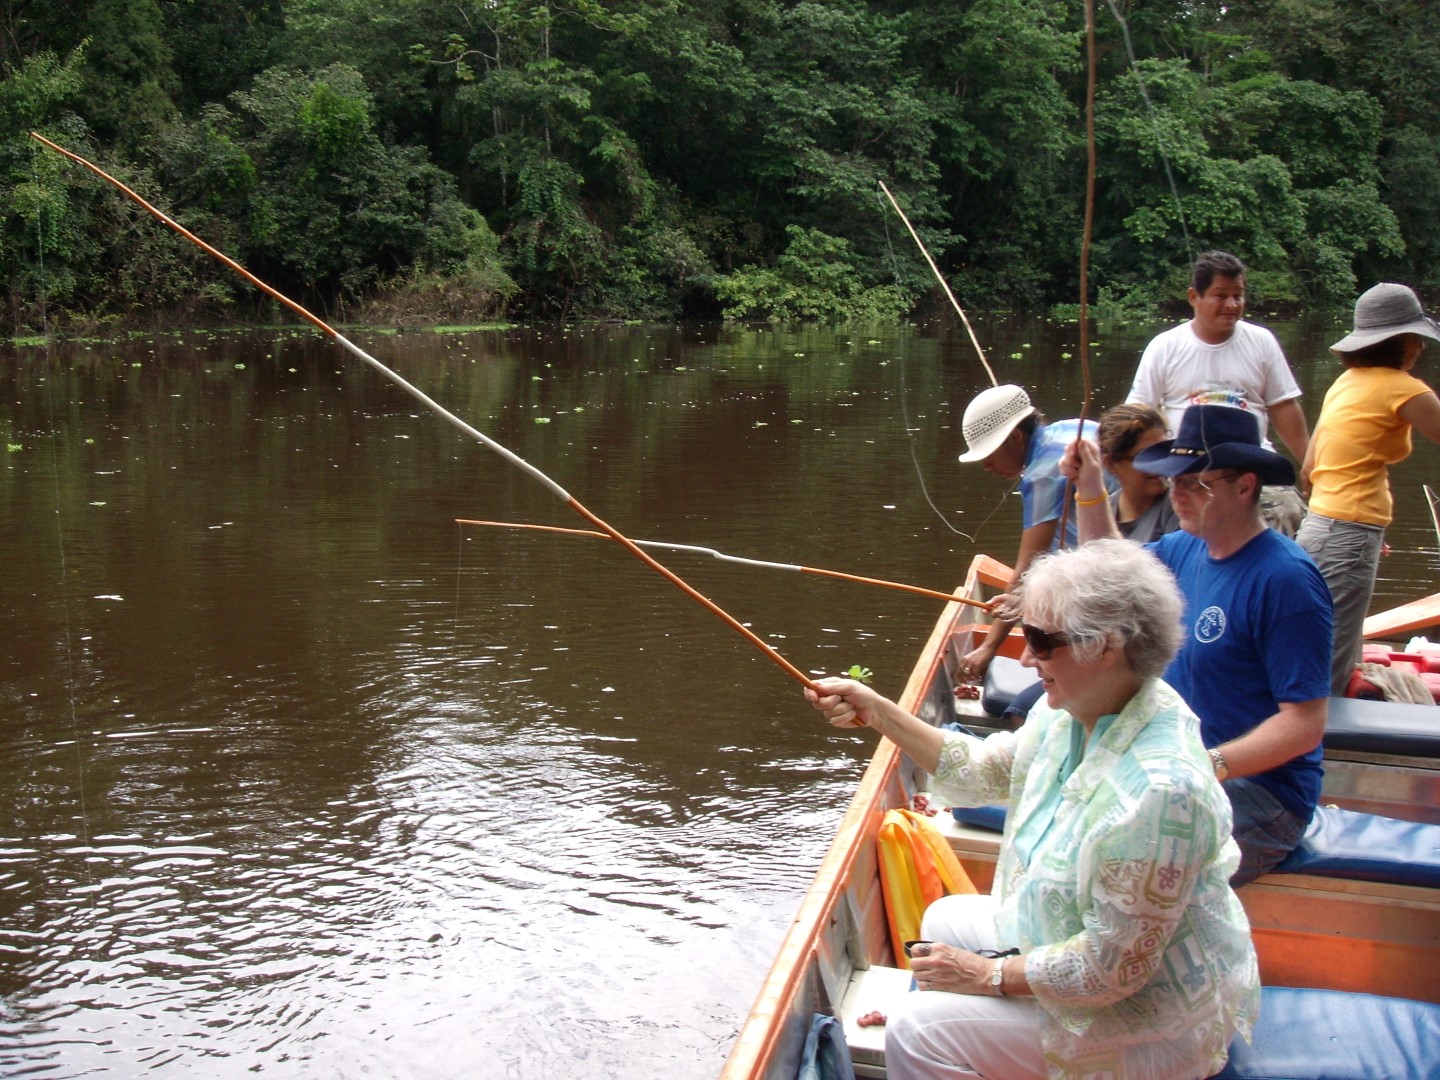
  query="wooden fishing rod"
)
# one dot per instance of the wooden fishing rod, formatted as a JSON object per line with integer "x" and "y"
{"x": 1085, "y": 242}
{"x": 1089, "y": 229}
{"x": 943, "y": 284}
{"x": 514, "y": 459}
{"x": 741, "y": 561}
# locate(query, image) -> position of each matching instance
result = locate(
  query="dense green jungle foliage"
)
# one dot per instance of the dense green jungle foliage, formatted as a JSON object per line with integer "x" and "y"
{"x": 412, "y": 161}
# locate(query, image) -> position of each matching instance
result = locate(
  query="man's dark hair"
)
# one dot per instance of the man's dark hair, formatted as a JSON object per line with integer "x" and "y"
{"x": 1388, "y": 353}
{"x": 1213, "y": 264}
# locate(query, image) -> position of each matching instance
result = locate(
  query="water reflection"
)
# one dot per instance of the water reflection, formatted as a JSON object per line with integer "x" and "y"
{"x": 300, "y": 778}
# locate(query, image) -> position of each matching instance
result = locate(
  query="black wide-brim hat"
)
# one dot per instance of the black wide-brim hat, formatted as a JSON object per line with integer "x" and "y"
{"x": 1216, "y": 437}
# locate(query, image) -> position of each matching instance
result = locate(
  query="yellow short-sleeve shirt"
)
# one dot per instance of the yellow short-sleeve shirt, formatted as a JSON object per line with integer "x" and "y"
{"x": 1359, "y": 435}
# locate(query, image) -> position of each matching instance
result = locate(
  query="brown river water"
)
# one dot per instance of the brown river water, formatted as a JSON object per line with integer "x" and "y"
{"x": 299, "y": 778}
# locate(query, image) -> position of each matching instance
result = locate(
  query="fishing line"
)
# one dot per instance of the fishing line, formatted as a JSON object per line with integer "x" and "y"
{"x": 459, "y": 572}
{"x": 51, "y": 376}
{"x": 1154, "y": 126}
{"x": 1434, "y": 502}
{"x": 915, "y": 461}
{"x": 904, "y": 404}
{"x": 479, "y": 436}
{"x": 738, "y": 560}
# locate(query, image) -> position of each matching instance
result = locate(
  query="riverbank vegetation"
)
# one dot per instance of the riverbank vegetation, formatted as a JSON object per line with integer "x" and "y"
{"x": 406, "y": 161}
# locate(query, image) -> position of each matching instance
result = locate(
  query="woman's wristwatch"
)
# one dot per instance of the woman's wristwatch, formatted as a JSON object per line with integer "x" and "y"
{"x": 997, "y": 977}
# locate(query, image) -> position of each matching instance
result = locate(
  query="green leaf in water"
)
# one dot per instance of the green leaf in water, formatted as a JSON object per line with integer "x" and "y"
{"x": 860, "y": 673}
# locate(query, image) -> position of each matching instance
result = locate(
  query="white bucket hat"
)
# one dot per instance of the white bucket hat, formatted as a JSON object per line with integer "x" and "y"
{"x": 1384, "y": 311}
{"x": 990, "y": 417}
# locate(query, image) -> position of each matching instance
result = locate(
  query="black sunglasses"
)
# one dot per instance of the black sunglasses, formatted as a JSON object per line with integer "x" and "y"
{"x": 1043, "y": 644}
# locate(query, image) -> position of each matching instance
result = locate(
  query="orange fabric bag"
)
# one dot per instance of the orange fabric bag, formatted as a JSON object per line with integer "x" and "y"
{"x": 917, "y": 867}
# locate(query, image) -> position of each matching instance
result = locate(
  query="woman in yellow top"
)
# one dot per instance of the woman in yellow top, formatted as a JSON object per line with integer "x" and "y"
{"x": 1364, "y": 427}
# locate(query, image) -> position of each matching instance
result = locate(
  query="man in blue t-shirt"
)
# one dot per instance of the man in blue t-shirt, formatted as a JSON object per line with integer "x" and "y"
{"x": 1010, "y": 439}
{"x": 1255, "y": 662}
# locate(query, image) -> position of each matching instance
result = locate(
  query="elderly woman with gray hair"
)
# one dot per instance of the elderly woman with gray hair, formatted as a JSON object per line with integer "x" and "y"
{"x": 1113, "y": 944}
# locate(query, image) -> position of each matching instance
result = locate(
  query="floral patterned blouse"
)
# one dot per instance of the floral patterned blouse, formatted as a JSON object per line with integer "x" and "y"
{"x": 1135, "y": 946}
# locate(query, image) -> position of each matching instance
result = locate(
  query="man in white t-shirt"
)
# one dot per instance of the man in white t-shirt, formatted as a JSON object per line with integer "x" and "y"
{"x": 1219, "y": 359}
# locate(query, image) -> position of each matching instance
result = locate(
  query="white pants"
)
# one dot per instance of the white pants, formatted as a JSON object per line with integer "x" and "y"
{"x": 936, "y": 1034}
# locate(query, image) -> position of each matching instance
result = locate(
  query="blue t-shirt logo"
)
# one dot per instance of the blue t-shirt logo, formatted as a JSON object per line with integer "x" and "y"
{"x": 1210, "y": 625}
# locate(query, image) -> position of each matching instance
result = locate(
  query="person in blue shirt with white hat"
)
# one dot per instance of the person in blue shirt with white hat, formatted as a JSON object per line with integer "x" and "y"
{"x": 1004, "y": 432}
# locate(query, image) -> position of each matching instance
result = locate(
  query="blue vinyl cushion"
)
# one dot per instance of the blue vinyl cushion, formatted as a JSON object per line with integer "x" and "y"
{"x": 1005, "y": 678}
{"x": 1331, "y": 1035}
{"x": 1349, "y": 844}
{"x": 982, "y": 817}
{"x": 1383, "y": 727}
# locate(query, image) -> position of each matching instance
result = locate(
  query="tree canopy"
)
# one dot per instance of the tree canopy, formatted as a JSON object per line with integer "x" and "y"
{"x": 650, "y": 159}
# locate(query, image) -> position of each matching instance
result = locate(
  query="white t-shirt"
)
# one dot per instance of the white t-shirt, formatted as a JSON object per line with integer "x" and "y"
{"x": 1248, "y": 371}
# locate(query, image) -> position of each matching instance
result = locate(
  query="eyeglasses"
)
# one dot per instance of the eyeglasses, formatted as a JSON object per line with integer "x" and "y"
{"x": 1193, "y": 484}
{"x": 1043, "y": 643}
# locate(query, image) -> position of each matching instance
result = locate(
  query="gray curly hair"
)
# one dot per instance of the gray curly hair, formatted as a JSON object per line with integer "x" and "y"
{"x": 1107, "y": 593}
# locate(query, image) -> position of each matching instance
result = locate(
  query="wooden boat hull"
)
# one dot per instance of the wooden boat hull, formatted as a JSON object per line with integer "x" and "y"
{"x": 1309, "y": 931}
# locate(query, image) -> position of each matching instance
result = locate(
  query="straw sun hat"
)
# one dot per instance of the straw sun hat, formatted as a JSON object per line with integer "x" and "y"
{"x": 990, "y": 417}
{"x": 1384, "y": 311}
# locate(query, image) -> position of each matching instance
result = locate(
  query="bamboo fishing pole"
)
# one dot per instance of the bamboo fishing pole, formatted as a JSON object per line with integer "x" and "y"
{"x": 741, "y": 561}
{"x": 1085, "y": 241}
{"x": 514, "y": 459}
{"x": 943, "y": 283}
